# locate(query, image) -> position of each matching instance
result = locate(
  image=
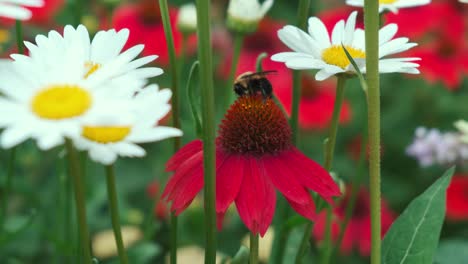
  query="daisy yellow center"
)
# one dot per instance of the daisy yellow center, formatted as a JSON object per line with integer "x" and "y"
{"x": 335, "y": 55}
{"x": 387, "y": 1}
{"x": 91, "y": 68}
{"x": 106, "y": 134}
{"x": 61, "y": 101}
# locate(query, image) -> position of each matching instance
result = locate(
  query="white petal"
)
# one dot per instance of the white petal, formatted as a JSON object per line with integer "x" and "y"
{"x": 298, "y": 40}
{"x": 387, "y": 33}
{"x": 319, "y": 32}
{"x": 285, "y": 56}
{"x": 305, "y": 64}
{"x": 129, "y": 150}
{"x": 337, "y": 34}
{"x": 102, "y": 154}
{"x": 327, "y": 72}
{"x": 13, "y": 136}
{"x": 155, "y": 134}
{"x": 349, "y": 29}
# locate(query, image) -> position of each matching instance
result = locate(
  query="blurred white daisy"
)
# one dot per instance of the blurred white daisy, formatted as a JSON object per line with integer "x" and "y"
{"x": 116, "y": 131}
{"x": 464, "y": 1}
{"x": 187, "y": 18}
{"x": 14, "y": 9}
{"x": 318, "y": 50}
{"x": 103, "y": 54}
{"x": 391, "y": 5}
{"x": 45, "y": 96}
{"x": 244, "y": 15}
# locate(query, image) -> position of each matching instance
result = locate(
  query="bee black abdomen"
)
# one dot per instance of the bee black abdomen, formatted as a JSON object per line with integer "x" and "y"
{"x": 265, "y": 87}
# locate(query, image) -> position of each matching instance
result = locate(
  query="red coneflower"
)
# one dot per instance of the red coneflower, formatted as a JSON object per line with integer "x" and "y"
{"x": 457, "y": 198}
{"x": 254, "y": 156}
{"x": 358, "y": 231}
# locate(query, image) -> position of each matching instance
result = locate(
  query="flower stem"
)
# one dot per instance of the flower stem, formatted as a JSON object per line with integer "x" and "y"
{"x": 75, "y": 173}
{"x": 304, "y": 243}
{"x": 19, "y": 37}
{"x": 114, "y": 209}
{"x": 371, "y": 22}
{"x": 78, "y": 7}
{"x": 330, "y": 149}
{"x": 175, "y": 107}
{"x": 207, "y": 97}
{"x": 7, "y": 187}
{"x": 228, "y": 94}
{"x": 253, "y": 258}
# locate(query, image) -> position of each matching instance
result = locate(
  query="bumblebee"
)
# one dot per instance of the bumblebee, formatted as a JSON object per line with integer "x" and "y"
{"x": 250, "y": 84}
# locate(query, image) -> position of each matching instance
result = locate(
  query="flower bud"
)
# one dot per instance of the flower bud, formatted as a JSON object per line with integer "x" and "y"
{"x": 187, "y": 19}
{"x": 243, "y": 16}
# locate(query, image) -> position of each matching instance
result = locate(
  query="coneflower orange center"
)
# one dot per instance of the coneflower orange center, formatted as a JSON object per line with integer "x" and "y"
{"x": 335, "y": 55}
{"x": 254, "y": 125}
{"x": 61, "y": 101}
{"x": 103, "y": 134}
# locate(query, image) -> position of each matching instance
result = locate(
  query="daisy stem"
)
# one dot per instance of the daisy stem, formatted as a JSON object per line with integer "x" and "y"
{"x": 253, "y": 257}
{"x": 207, "y": 99}
{"x": 371, "y": 22}
{"x": 330, "y": 149}
{"x": 228, "y": 93}
{"x": 78, "y": 7}
{"x": 114, "y": 209}
{"x": 75, "y": 173}
{"x": 19, "y": 37}
{"x": 175, "y": 107}
{"x": 7, "y": 187}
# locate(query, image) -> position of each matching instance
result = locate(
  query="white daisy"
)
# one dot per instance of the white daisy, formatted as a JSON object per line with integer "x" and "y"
{"x": 391, "y": 5}
{"x": 244, "y": 15}
{"x": 116, "y": 131}
{"x": 15, "y": 8}
{"x": 464, "y": 1}
{"x": 103, "y": 54}
{"x": 317, "y": 51}
{"x": 45, "y": 96}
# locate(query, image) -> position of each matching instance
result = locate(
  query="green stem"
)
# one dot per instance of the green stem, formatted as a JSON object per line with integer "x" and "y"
{"x": 207, "y": 97}
{"x": 78, "y": 11}
{"x": 253, "y": 257}
{"x": 7, "y": 187}
{"x": 327, "y": 245}
{"x": 330, "y": 149}
{"x": 75, "y": 173}
{"x": 304, "y": 243}
{"x": 19, "y": 37}
{"x": 371, "y": 22}
{"x": 296, "y": 97}
{"x": 228, "y": 93}
{"x": 175, "y": 105}
{"x": 114, "y": 209}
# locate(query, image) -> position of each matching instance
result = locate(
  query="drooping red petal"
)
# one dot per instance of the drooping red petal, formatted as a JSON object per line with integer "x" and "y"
{"x": 281, "y": 176}
{"x": 183, "y": 154}
{"x": 184, "y": 170}
{"x": 311, "y": 174}
{"x": 306, "y": 210}
{"x": 186, "y": 189}
{"x": 257, "y": 198}
{"x": 228, "y": 181}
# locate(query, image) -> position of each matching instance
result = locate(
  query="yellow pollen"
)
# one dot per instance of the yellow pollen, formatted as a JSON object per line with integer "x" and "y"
{"x": 335, "y": 55}
{"x": 387, "y": 1}
{"x": 61, "y": 101}
{"x": 4, "y": 36}
{"x": 106, "y": 134}
{"x": 91, "y": 67}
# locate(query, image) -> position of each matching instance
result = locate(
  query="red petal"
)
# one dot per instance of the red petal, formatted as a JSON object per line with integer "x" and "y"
{"x": 183, "y": 154}
{"x": 306, "y": 210}
{"x": 186, "y": 189}
{"x": 311, "y": 174}
{"x": 257, "y": 198}
{"x": 219, "y": 220}
{"x": 282, "y": 177}
{"x": 228, "y": 181}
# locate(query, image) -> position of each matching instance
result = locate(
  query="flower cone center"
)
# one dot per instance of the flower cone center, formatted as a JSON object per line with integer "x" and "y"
{"x": 254, "y": 125}
{"x": 91, "y": 68}
{"x": 335, "y": 55}
{"x": 61, "y": 101}
{"x": 387, "y": 1}
{"x": 106, "y": 134}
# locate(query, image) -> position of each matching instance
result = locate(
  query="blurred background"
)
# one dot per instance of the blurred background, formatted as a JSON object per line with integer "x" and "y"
{"x": 419, "y": 140}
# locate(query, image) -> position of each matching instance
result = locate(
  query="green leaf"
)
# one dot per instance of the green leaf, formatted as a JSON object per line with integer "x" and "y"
{"x": 413, "y": 237}
{"x": 356, "y": 68}
{"x": 452, "y": 252}
{"x": 192, "y": 100}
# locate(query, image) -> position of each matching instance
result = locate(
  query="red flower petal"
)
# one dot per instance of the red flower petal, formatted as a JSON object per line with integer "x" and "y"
{"x": 306, "y": 210}
{"x": 183, "y": 154}
{"x": 228, "y": 181}
{"x": 282, "y": 177}
{"x": 257, "y": 198}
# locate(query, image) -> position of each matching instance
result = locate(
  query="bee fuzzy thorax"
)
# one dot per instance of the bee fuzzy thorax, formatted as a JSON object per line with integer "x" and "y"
{"x": 250, "y": 84}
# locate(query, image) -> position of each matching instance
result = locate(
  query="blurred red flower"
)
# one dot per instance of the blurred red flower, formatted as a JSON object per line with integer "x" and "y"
{"x": 45, "y": 15}
{"x": 161, "y": 210}
{"x": 358, "y": 230}
{"x": 331, "y": 16}
{"x": 457, "y": 198}
{"x": 143, "y": 19}
{"x": 442, "y": 40}
{"x": 254, "y": 156}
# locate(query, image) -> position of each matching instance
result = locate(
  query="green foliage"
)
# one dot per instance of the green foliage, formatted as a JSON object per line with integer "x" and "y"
{"x": 452, "y": 252}
{"x": 414, "y": 236}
